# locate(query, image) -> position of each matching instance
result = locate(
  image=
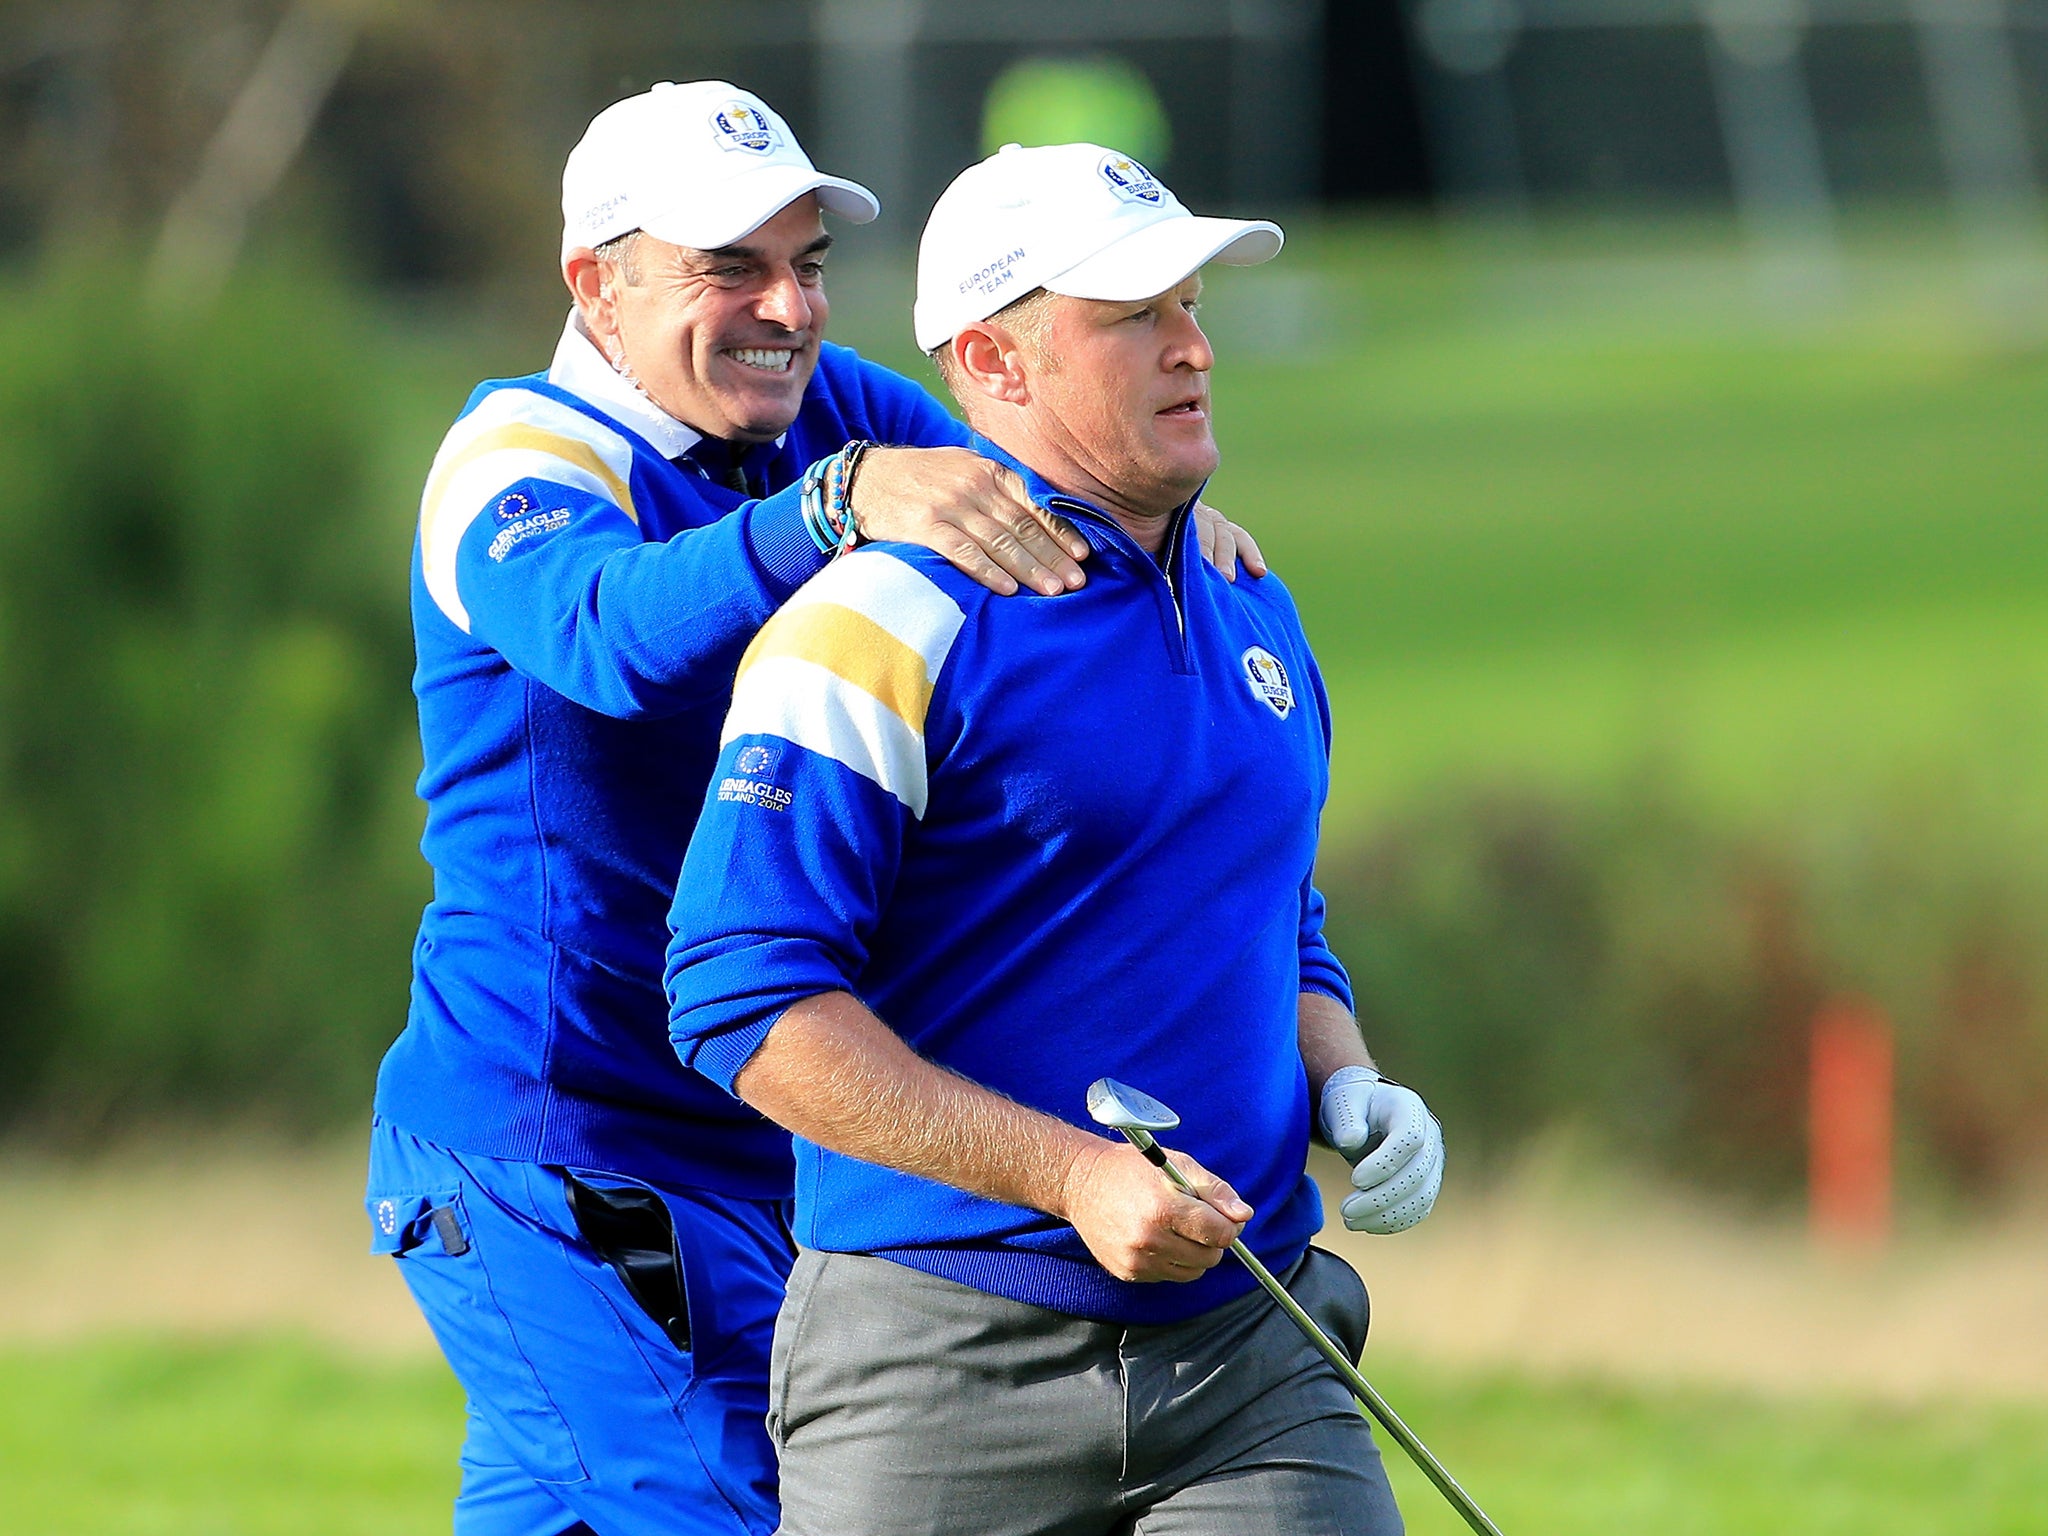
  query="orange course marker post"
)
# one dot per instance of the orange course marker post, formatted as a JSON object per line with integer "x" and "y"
{"x": 1849, "y": 1126}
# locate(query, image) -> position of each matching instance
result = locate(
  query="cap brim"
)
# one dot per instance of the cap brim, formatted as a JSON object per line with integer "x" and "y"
{"x": 849, "y": 199}
{"x": 769, "y": 192}
{"x": 1151, "y": 260}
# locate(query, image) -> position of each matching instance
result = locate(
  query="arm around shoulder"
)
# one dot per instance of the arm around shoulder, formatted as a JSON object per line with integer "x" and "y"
{"x": 531, "y": 543}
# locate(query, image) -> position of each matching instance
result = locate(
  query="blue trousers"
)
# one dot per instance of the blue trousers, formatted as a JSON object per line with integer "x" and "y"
{"x": 586, "y": 1411}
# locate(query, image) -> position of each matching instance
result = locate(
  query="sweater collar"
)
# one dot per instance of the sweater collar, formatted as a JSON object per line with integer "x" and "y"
{"x": 588, "y": 374}
{"x": 585, "y": 372}
{"x": 1050, "y": 497}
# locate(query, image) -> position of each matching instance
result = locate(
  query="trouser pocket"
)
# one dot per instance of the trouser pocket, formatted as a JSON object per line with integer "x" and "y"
{"x": 401, "y": 1224}
{"x": 803, "y": 1281}
{"x": 629, "y": 1226}
{"x": 473, "y": 1257}
{"x": 1331, "y": 1292}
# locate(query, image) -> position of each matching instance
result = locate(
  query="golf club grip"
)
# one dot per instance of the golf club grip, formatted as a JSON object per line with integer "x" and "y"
{"x": 1155, "y": 1154}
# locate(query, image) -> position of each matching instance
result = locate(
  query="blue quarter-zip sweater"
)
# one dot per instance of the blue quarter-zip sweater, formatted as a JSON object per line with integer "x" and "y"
{"x": 579, "y": 604}
{"x": 1046, "y": 840}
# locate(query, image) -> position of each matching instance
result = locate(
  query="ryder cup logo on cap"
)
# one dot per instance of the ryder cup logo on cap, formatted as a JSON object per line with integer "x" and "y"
{"x": 741, "y": 127}
{"x": 1130, "y": 179}
{"x": 702, "y": 165}
{"x": 1079, "y": 219}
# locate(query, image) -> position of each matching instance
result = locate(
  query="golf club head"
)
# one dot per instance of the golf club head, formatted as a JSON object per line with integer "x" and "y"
{"x": 1122, "y": 1108}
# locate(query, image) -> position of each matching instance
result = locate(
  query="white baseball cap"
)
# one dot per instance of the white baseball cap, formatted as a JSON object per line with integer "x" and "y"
{"x": 1078, "y": 219}
{"x": 701, "y": 164}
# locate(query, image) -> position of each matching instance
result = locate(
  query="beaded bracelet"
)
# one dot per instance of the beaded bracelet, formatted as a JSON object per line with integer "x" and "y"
{"x": 811, "y": 501}
{"x": 825, "y": 499}
{"x": 849, "y": 461}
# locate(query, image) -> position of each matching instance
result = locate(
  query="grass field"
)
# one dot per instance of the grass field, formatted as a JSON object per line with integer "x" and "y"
{"x": 136, "y": 1438}
{"x": 1600, "y": 1462}
{"x": 1546, "y": 526}
{"x": 279, "y": 1438}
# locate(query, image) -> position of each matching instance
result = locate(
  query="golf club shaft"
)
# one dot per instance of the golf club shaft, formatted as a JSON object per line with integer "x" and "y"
{"x": 1362, "y": 1389}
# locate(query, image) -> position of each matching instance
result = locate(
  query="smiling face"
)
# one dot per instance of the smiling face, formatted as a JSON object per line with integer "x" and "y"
{"x": 725, "y": 341}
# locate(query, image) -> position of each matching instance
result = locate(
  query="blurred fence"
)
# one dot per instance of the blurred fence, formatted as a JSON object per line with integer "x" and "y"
{"x": 1788, "y": 110}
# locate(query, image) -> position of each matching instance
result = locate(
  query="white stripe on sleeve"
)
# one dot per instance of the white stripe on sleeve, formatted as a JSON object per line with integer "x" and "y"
{"x": 822, "y": 712}
{"x": 470, "y": 474}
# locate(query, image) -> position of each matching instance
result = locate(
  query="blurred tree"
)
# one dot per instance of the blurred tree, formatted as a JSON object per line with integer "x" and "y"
{"x": 433, "y": 152}
{"x": 207, "y": 876}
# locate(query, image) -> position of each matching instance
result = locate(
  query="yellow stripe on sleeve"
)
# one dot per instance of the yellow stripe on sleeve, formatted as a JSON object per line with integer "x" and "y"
{"x": 853, "y": 647}
{"x": 520, "y": 436}
{"x": 821, "y": 712}
{"x": 846, "y": 670}
{"x": 513, "y": 435}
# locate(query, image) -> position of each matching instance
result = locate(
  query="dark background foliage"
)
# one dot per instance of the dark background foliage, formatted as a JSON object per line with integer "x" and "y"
{"x": 206, "y": 885}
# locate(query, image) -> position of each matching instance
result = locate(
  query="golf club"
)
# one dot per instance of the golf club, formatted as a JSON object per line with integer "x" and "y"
{"x": 1138, "y": 1115}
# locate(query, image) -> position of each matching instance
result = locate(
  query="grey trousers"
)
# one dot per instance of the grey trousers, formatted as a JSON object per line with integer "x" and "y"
{"x": 906, "y": 1405}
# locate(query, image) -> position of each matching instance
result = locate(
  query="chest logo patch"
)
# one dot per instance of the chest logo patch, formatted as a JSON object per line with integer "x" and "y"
{"x": 1268, "y": 679}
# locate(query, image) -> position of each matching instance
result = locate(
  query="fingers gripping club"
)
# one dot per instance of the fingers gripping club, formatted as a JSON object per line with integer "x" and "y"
{"x": 1137, "y": 1115}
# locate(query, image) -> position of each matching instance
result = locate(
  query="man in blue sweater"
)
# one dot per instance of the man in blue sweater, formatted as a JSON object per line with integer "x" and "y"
{"x": 597, "y": 1236}
{"x": 995, "y": 826}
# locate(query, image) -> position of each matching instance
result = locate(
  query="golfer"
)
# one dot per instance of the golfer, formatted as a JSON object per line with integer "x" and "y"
{"x": 960, "y": 858}
{"x": 598, "y": 1237}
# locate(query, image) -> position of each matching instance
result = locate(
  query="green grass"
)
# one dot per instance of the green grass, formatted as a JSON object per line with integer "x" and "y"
{"x": 138, "y": 1438}
{"x": 1595, "y": 1461}
{"x": 1542, "y": 536}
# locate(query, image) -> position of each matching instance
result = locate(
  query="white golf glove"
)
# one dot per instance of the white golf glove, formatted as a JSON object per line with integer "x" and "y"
{"x": 1393, "y": 1144}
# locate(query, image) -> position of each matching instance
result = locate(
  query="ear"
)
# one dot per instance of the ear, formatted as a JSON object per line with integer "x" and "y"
{"x": 584, "y": 274}
{"x": 992, "y": 364}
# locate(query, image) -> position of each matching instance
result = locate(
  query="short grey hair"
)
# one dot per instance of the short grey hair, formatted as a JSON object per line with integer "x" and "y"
{"x": 623, "y": 253}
